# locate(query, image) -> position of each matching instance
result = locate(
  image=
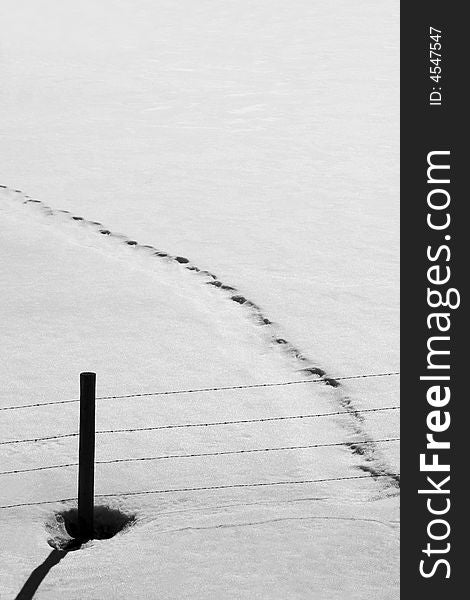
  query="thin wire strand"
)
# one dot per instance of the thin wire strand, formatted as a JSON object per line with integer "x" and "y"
{"x": 212, "y": 487}
{"x": 208, "y": 389}
{"x": 213, "y": 424}
{"x": 201, "y": 454}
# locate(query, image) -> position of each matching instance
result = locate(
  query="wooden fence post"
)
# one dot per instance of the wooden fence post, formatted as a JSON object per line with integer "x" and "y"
{"x": 86, "y": 456}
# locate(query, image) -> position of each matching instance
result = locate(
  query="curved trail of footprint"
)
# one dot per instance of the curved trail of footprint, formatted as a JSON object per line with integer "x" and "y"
{"x": 368, "y": 451}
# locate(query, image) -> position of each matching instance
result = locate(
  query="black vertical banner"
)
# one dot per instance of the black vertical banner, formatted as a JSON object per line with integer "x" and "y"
{"x": 434, "y": 397}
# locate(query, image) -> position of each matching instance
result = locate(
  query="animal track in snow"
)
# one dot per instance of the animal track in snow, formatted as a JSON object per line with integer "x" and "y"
{"x": 369, "y": 452}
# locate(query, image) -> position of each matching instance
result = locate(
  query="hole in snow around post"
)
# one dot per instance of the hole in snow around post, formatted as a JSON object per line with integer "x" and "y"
{"x": 107, "y": 522}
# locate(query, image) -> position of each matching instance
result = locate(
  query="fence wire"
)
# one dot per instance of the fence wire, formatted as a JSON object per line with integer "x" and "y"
{"x": 205, "y": 454}
{"x": 211, "y": 487}
{"x": 324, "y": 380}
{"x": 213, "y": 424}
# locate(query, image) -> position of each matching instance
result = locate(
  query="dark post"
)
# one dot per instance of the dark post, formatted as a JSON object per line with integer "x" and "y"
{"x": 86, "y": 455}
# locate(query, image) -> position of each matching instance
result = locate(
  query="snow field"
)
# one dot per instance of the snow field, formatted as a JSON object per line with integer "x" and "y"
{"x": 260, "y": 141}
{"x": 146, "y": 334}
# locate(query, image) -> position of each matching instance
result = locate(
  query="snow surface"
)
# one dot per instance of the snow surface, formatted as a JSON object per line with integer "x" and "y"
{"x": 259, "y": 139}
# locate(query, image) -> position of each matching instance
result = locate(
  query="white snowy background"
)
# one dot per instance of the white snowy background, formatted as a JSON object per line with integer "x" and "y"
{"x": 259, "y": 139}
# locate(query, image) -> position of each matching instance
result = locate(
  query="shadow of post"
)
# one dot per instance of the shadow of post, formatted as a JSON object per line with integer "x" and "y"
{"x": 37, "y": 576}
